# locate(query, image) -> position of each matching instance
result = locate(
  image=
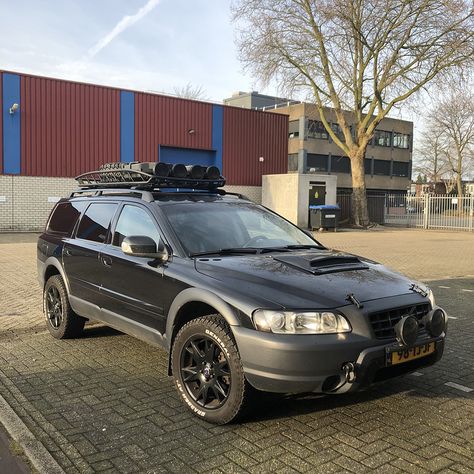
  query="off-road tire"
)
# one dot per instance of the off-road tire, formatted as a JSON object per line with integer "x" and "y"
{"x": 70, "y": 325}
{"x": 213, "y": 327}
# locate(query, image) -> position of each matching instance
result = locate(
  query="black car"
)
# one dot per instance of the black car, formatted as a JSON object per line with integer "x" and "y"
{"x": 241, "y": 299}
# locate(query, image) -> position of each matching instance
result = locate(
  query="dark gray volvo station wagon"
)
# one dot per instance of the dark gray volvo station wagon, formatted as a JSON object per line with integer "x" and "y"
{"x": 240, "y": 298}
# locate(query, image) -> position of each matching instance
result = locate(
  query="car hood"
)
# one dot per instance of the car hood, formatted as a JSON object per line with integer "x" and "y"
{"x": 304, "y": 279}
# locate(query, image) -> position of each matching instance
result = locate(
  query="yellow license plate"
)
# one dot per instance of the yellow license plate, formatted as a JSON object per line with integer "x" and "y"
{"x": 405, "y": 355}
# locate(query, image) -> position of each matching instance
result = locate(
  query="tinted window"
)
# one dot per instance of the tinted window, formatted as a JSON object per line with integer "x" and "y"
{"x": 64, "y": 217}
{"x": 368, "y": 165}
{"x": 400, "y": 168}
{"x": 382, "y": 138}
{"x": 137, "y": 222}
{"x": 340, "y": 164}
{"x": 316, "y": 129}
{"x": 318, "y": 162}
{"x": 401, "y": 140}
{"x": 210, "y": 226}
{"x": 382, "y": 167}
{"x": 95, "y": 223}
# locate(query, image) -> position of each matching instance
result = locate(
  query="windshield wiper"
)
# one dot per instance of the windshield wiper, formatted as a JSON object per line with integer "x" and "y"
{"x": 304, "y": 246}
{"x": 255, "y": 250}
{"x": 230, "y": 251}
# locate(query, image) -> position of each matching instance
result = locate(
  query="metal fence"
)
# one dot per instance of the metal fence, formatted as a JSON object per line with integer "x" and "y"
{"x": 375, "y": 204}
{"x": 427, "y": 212}
{"x": 430, "y": 211}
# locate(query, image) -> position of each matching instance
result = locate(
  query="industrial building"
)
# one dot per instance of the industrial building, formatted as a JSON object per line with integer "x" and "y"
{"x": 52, "y": 130}
{"x": 388, "y": 161}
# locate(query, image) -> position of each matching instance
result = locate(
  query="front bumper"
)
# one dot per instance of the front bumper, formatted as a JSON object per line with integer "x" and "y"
{"x": 307, "y": 363}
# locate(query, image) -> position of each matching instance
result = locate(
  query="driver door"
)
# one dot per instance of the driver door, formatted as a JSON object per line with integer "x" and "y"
{"x": 132, "y": 286}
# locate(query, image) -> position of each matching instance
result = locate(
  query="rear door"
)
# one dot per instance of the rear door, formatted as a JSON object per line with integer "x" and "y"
{"x": 81, "y": 254}
{"x": 132, "y": 286}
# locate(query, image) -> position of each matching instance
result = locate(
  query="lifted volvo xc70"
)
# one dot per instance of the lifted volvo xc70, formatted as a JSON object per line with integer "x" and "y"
{"x": 240, "y": 298}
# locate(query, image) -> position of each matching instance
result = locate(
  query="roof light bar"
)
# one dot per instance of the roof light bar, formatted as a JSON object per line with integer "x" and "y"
{"x": 150, "y": 175}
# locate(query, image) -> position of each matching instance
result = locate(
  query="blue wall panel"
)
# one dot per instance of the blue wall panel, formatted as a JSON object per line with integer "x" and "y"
{"x": 127, "y": 126}
{"x": 187, "y": 156}
{"x": 11, "y": 124}
{"x": 217, "y": 132}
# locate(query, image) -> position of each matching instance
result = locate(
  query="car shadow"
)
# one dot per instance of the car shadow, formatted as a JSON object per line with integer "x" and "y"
{"x": 96, "y": 330}
{"x": 270, "y": 406}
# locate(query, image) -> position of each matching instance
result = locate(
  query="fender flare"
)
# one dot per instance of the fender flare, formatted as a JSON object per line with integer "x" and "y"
{"x": 201, "y": 295}
{"x": 54, "y": 262}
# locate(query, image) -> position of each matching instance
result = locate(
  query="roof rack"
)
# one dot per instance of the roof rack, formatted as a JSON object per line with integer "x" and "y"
{"x": 137, "y": 179}
{"x": 143, "y": 179}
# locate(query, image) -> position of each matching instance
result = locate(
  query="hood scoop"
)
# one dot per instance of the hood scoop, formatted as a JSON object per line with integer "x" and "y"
{"x": 323, "y": 264}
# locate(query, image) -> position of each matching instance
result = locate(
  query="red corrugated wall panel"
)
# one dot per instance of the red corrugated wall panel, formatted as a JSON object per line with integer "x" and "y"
{"x": 1, "y": 123}
{"x": 166, "y": 121}
{"x": 249, "y": 135}
{"x": 67, "y": 128}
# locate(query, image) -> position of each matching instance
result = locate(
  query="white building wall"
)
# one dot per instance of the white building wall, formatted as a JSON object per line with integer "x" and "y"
{"x": 25, "y": 201}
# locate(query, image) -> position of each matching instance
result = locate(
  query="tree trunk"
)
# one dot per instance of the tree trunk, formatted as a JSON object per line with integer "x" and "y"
{"x": 459, "y": 179}
{"x": 360, "y": 213}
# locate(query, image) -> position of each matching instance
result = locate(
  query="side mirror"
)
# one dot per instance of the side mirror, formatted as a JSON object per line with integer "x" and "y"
{"x": 143, "y": 246}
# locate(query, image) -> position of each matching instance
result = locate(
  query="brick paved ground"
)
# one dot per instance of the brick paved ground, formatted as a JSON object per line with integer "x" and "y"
{"x": 104, "y": 403}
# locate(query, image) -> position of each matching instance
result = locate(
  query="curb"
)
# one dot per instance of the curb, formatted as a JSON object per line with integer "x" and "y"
{"x": 34, "y": 450}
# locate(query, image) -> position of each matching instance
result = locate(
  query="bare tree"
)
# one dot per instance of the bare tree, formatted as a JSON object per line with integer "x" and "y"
{"x": 365, "y": 56}
{"x": 430, "y": 158}
{"x": 190, "y": 91}
{"x": 453, "y": 117}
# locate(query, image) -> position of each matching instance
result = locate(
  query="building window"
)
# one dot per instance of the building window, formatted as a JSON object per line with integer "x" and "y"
{"x": 401, "y": 140}
{"x": 340, "y": 164}
{"x": 294, "y": 129}
{"x": 382, "y": 138}
{"x": 400, "y": 168}
{"x": 338, "y": 131}
{"x": 368, "y": 165}
{"x": 293, "y": 162}
{"x": 316, "y": 129}
{"x": 382, "y": 167}
{"x": 316, "y": 162}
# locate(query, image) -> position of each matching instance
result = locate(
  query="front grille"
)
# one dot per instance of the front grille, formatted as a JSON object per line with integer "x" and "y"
{"x": 383, "y": 322}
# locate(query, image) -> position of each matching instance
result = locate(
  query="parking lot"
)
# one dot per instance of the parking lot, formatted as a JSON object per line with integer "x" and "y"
{"x": 104, "y": 402}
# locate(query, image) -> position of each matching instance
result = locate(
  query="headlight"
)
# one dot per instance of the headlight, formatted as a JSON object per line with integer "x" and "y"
{"x": 289, "y": 322}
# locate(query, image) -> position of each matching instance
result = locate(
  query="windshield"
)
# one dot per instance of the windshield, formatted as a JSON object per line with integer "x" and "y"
{"x": 213, "y": 226}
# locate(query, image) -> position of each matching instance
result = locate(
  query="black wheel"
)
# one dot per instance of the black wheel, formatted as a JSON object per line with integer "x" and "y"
{"x": 61, "y": 320}
{"x": 208, "y": 371}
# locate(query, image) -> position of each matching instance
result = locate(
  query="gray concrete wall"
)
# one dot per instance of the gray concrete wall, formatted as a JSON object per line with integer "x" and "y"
{"x": 287, "y": 194}
{"x": 280, "y": 193}
{"x": 25, "y": 202}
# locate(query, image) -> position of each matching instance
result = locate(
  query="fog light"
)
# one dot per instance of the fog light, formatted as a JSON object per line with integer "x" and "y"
{"x": 436, "y": 322}
{"x": 196, "y": 171}
{"x": 406, "y": 330}
{"x": 213, "y": 172}
{"x": 179, "y": 171}
{"x": 162, "y": 169}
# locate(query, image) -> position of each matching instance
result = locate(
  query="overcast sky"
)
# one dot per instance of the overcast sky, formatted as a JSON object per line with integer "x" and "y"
{"x": 139, "y": 44}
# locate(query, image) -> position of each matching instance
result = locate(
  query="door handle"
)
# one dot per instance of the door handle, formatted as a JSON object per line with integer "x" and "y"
{"x": 106, "y": 260}
{"x": 68, "y": 252}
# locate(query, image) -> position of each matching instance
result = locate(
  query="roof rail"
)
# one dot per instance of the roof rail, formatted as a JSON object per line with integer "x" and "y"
{"x": 145, "y": 195}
